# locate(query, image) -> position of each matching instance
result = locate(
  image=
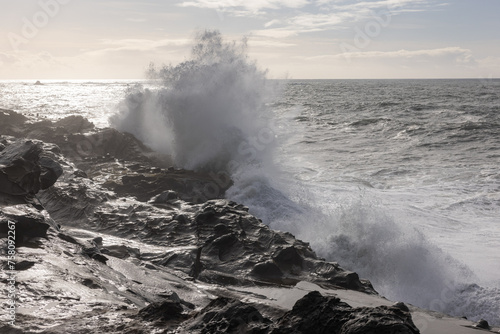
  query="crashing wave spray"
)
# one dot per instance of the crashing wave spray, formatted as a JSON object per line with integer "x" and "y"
{"x": 207, "y": 111}
{"x": 210, "y": 113}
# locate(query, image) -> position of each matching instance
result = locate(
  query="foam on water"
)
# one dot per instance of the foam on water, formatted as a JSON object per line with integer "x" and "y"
{"x": 212, "y": 112}
{"x": 356, "y": 230}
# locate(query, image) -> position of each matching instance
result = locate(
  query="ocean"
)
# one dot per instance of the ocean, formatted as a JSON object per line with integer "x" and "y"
{"x": 398, "y": 180}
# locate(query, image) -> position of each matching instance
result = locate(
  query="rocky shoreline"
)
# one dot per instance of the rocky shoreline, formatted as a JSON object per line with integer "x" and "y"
{"x": 110, "y": 238}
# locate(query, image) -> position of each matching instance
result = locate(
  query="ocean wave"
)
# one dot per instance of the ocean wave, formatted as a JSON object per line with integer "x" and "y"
{"x": 208, "y": 112}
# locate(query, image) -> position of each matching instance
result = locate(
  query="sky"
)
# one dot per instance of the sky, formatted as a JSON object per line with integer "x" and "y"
{"x": 294, "y": 39}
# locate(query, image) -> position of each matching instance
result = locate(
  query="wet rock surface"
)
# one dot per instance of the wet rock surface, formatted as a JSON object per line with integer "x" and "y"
{"x": 24, "y": 170}
{"x": 226, "y": 315}
{"x": 315, "y": 313}
{"x": 113, "y": 240}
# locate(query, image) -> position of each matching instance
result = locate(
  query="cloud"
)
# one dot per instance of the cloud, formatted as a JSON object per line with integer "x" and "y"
{"x": 7, "y": 59}
{"x": 114, "y": 46}
{"x": 455, "y": 55}
{"x": 245, "y": 7}
{"x": 272, "y": 22}
{"x": 319, "y": 21}
{"x": 279, "y": 33}
{"x": 334, "y": 15}
{"x": 287, "y": 18}
{"x": 269, "y": 43}
{"x": 462, "y": 54}
{"x": 24, "y": 64}
{"x": 144, "y": 44}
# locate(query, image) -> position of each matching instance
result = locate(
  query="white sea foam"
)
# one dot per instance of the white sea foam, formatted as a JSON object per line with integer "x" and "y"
{"x": 210, "y": 113}
{"x": 207, "y": 111}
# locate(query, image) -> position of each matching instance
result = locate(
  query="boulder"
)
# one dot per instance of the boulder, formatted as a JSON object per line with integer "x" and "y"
{"x": 19, "y": 168}
{"x": 163, "y": 311}
{"x": 23, "y": 171}
{"x": 315, "y": 314}
{"x": 75, "y": 124}
{"x": 226, "y": 315}
{"x": 29, "y": 223}
{"x": 483, "y": 324}
{"x": 50, "y": 172}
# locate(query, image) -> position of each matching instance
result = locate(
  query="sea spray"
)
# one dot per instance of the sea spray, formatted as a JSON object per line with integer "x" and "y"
{"x": 353, "y": 229}
{"x": 208, "y": 112}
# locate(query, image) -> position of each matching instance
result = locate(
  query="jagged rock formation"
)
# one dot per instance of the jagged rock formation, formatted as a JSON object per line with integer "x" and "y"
{"x": 315, "y": 313}
{"x": 122, "y": 244}
{"x": 24, "y": 170}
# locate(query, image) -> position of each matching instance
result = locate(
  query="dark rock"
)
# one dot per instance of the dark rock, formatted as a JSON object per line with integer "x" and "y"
{"x": 167, "y": 310}
{"x": 165, "y": 186}
{"x": 80, "y": 173}
{"x": 94, "y": 253}
{"x": 97, "y": 241}
{"x": 24, "y": 265}
{"x": 402, "y": 306}
{"x": 267, "y": 270}
{"x": 120, "y": 251}
{"x": 68, "y": 238}
{"x": 90, "y": 284}
{"x": 317, "y": 314}
{"x": 75, "y": 202}
{"x": 75, "y": 124}
{"x": 226, "y": 246}
{"x": 19, "y": 168}
{"x": 225, "y": 315}
{"x": 29, "y": 223}
{"x": 216, "y": 242}
{"x": 333, "y": 274}
{"x": 50, "y": 172}
{"x": 288, "y": 257}
{"x": 221, "y": 229}
{"x": 108, "y": 143}
{"x": 483, "y": 324}
{"x": 23, "y": 171}
{"x": 99, "y": 257}
{"x": 8, "y": 329}
{"x": 68, "y": 133}
{"x": 250, "y": 249}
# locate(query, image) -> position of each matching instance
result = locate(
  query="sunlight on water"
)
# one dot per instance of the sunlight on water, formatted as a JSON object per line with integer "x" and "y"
{"x": 55, "y": 99}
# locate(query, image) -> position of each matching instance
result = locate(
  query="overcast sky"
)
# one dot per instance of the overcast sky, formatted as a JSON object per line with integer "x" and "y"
{"x": 105, "y": 39}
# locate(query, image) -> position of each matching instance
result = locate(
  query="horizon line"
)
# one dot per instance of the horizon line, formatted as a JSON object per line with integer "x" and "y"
{"x": 144, "y": 79}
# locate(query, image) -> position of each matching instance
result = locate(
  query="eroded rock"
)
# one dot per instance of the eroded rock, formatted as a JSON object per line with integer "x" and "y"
{"x": 29, "y": 223}
{"x": 133, "y": 232}
{"x": 226, "y": 315}
{"x": 24, "y": 171}
{"x": 163, "y": 311}
{"x": 314, "y": 314}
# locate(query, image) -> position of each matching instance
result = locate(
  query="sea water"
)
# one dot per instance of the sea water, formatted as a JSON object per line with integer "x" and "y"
{"x": 398, "y": 180}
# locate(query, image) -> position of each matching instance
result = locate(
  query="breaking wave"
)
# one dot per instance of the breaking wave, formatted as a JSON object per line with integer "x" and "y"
{"x": 212, "y": 112}
{"x": 207, "y": 112}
